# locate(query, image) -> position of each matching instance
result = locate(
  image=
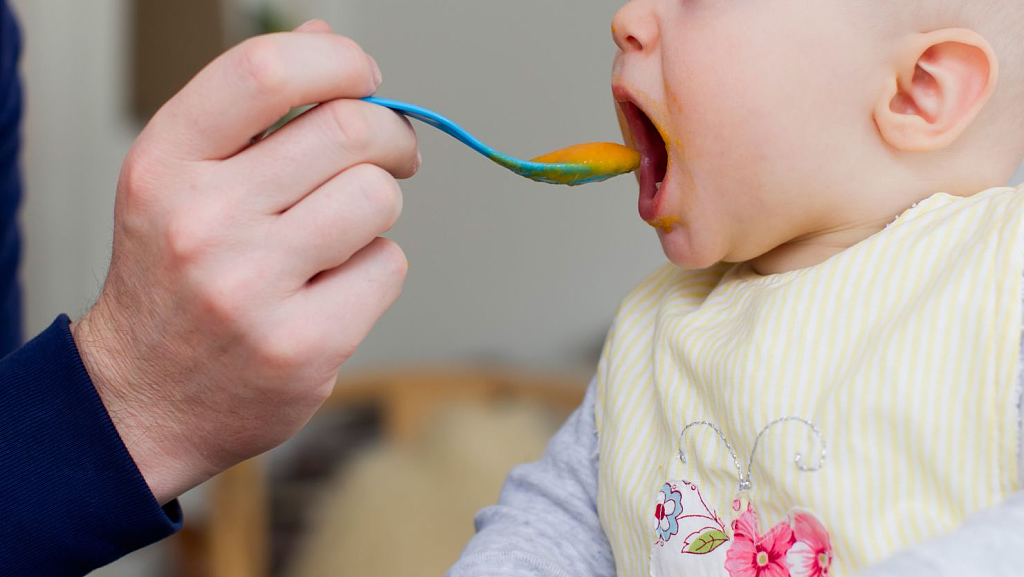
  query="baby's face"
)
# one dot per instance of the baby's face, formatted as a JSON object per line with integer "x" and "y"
{"x": 760, "y": 109}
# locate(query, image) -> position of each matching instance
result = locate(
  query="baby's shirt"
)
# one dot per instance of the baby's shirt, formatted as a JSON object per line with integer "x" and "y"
{"x": 697, "y": 365}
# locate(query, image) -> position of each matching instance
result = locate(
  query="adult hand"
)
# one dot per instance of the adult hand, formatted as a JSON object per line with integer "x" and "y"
{"x": 245, "y": 271}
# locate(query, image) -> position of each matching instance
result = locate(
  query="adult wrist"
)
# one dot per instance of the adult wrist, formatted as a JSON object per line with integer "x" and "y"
{"x": 148, "y": 423}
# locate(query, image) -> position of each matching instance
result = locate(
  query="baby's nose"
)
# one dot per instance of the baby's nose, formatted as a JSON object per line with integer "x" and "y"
{"x": 635, "y": 27}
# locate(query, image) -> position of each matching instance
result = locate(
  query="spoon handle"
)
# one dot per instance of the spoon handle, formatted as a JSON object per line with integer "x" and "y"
{"x": 437, "y": 121}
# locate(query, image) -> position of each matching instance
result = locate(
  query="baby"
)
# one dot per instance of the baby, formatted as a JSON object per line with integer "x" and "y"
{"x": 826, "y": 380}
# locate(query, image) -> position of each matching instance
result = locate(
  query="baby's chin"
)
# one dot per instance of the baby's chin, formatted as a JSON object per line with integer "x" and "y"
{"x": 686, "y": 247}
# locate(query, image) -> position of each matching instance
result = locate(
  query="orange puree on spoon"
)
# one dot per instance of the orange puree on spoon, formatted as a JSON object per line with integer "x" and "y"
{"x": 602, "y": 157}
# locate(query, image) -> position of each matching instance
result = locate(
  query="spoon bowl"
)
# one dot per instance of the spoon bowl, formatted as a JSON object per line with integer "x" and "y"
{"x": 576, "y": 165}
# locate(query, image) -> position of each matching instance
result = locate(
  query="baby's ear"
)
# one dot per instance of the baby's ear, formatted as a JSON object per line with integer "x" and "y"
{"x": 940, "y": 83}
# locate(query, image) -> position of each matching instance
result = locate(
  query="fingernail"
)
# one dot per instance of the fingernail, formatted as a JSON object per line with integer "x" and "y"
{"x": 305, "y": 25}
{"x": 419, "y": 161}
{"x": 377, "y": 76}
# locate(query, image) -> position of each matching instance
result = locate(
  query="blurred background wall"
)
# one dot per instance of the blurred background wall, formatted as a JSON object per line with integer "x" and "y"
{"x": 502, "y": 270}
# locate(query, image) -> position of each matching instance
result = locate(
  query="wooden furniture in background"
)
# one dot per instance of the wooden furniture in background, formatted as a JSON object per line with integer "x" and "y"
{"x": 238, "y": 537}
{"x": 235, "y": 540}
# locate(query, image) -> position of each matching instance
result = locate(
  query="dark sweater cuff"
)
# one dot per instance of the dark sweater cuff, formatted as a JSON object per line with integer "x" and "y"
{"x": 71, "y": 497}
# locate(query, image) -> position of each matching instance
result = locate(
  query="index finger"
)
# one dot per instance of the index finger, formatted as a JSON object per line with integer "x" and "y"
{"x": 254, "y": 84}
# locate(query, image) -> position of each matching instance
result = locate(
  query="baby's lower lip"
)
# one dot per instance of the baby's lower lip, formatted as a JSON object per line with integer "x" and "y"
{"x": 650, "y": 193}
{"x": 654, "y": 157}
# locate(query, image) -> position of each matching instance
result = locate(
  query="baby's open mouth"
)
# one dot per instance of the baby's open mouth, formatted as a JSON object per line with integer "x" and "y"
{"x": 653, "y": 157}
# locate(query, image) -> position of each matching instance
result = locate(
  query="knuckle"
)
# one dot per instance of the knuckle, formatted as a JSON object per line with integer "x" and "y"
{"x": 397, "y": 203}
{"x": 352, "y": 60}
{"x": 185, "y": 239}
{"x": 262, "y": 64}
{"x": 139, "y": 174}
{"x": 349, "y": 50}
{"x": 393, "y": 257}
{"x": 192, "y": 231}
{"x": 321, "y": 393}
{"x": 353, "y": 125}
{"x": 380, "y": 190}
{"x": 279, "y": 353}
{"x": 221, "y": 298}
{"x": 344, "y": 352}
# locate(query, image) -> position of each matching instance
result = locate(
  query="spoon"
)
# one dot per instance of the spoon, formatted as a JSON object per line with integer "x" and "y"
{"x": 579, "y": 164}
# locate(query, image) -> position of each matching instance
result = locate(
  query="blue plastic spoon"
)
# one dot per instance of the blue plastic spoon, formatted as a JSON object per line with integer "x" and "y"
{"x": 580, "y": 164}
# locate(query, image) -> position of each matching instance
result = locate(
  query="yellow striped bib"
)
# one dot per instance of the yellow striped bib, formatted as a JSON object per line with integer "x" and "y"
{"x": 890, "y": 369}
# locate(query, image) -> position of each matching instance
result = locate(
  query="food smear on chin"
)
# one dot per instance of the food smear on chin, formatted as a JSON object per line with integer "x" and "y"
{"x": 664, "y": 223}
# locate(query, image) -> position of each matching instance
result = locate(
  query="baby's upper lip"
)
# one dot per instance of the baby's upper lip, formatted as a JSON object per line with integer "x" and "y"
{"x": 622, "y": 94}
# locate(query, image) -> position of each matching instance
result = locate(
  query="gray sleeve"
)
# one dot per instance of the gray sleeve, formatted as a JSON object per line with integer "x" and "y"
{"x": 986, "y": 544}
{"x": 545, "y": 523}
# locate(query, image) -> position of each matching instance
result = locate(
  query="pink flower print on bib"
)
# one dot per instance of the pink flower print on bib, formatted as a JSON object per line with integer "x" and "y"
{"x": 811, "y": 555}
{"x": 692, "y": 540}
{"x": 755, "y": 555}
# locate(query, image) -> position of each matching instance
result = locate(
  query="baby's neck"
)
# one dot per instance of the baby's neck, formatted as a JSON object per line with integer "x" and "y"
{"x": 811, "y": 250}
{"x": 875, "y": 206}
{"x": 842, "y": 227}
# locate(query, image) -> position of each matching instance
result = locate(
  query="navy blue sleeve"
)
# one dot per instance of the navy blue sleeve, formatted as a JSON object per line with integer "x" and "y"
{"x": 71, "y": 497}
{"x": 10, "y": 182}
